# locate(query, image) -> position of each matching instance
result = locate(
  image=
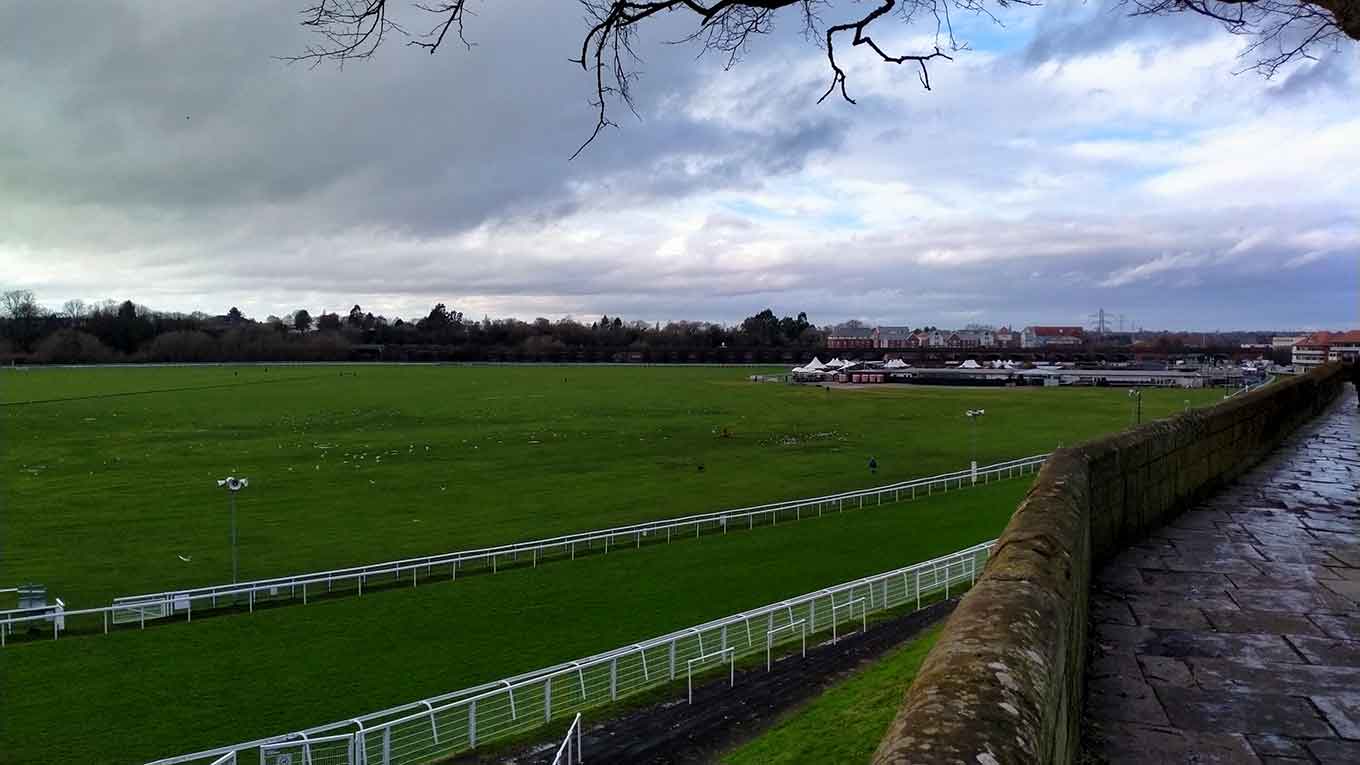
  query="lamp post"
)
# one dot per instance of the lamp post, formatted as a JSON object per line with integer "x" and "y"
{"x": 973, "y": 415}
{"x": 233, "y": 485}
{"x": 1137, "y": 396}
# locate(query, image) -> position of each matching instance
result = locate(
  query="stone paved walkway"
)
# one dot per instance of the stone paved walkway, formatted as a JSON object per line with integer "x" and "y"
{"x": 1233, "y": 635}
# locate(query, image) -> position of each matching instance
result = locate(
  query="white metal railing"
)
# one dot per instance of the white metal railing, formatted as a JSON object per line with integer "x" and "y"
{"x": 729, "y": 652}
{"x": 54, "y": 615}
{"x": 444, "y": 725}
{"x": 140, "y": 609}
{"x": 307, "y": 750}
{"x": 1247, "y": 388}
{"x": 800, "y": 625}
{"x": 569, "y": 753}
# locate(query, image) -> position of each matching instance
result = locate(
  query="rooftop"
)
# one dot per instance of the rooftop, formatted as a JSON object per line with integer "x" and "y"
{"x": 1324, "y": 339}
{"x": 860, "y": 332}
{"x": 1056, "y": 331}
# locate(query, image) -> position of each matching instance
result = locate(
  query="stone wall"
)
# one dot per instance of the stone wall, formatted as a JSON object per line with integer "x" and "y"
{"x": 1004, "y": 682}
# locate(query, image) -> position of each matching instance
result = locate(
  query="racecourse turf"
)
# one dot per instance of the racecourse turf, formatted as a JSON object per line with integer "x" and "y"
{"x": 110, "y": 474}
{"x": 180, "y": 687}
{"x": 109, "y": 484}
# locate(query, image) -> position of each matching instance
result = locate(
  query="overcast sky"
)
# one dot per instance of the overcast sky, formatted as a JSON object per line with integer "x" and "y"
{"x": 1073, "y": 160}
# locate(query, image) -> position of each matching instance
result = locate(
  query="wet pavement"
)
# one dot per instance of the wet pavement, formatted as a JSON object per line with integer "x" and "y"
{"x": 1233, "y": 634}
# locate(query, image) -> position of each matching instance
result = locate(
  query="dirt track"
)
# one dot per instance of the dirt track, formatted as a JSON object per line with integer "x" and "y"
{"x": 721, "y": 717}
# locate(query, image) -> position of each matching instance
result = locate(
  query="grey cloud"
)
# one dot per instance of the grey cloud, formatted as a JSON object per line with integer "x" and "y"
{"x": 196, "y": 113}
{"x": 287, "y": 186}
{"x": 1071, "y": 28}
{"x": 1335, "y": 71}
{"x": 1080, "y": 265}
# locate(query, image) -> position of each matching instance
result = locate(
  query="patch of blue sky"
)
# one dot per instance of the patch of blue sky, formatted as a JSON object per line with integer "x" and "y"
{"x": 842, "y": 219}
{"x": 838, "y": 218}
{"x": 749, "y": 209}
{"x": 1011, "y": 30}
{"x": 1144, "y": 132}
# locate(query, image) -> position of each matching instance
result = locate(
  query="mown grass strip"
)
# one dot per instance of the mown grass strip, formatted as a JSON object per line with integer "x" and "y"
{"x": 845, "y": 723}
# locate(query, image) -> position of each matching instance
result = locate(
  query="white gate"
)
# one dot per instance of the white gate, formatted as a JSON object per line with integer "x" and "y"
{"x": 321, "y": 750}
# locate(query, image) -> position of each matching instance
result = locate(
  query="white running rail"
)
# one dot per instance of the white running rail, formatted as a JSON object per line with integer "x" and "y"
{"x": 569, "y": 753}
{"x": 140, "y": 609}
{"x": 442, "y": 726}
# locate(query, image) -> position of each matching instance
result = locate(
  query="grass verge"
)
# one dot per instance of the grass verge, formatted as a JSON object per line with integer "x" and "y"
{"x": 844, "y": 724}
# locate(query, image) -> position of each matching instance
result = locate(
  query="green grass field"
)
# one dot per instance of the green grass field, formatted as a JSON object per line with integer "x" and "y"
{"x": 174, "y": 688}
{"x": 108, "y": 477}
{"x": 844, "y": 724}
{"x": 111, "y": 478}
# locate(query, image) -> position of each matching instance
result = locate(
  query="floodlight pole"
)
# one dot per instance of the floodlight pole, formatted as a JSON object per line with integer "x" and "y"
{"x": 973, "y": 415}
{"x": 235, "y": 557}
{"x": 233, "y": 485}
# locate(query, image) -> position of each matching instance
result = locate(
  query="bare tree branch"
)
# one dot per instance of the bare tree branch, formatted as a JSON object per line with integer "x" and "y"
{"x": 860, "y": 38}
{"x": 1281, "y": 30}
{"x": 453, "y": 13}
{"x": 347, "y": 29}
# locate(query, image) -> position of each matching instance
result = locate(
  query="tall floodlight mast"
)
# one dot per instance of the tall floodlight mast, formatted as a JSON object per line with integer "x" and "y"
{"x": 973, "y": 415}
{"x": 233, "y": 485}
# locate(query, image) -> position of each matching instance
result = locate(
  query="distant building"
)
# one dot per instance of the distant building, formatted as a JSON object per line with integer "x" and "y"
{"x": 982, "y": 338}
{"x": 1286, "y": 341}
{"x": 1006, "y": 338}
{"x": 850, "y": 337}
{"x": 1322, "y": 347}
{"x": 967, "y": 339}
{"x": 1043, "y": 337}
{"x": 931, "y": 338}
{"x": 892, "y": 337}
{"x": 1310, "y": 352}
{"x": 1345, "y": 348}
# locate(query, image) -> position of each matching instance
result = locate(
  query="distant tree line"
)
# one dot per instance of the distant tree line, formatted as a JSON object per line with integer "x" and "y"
{"x": 113, "y": 331}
